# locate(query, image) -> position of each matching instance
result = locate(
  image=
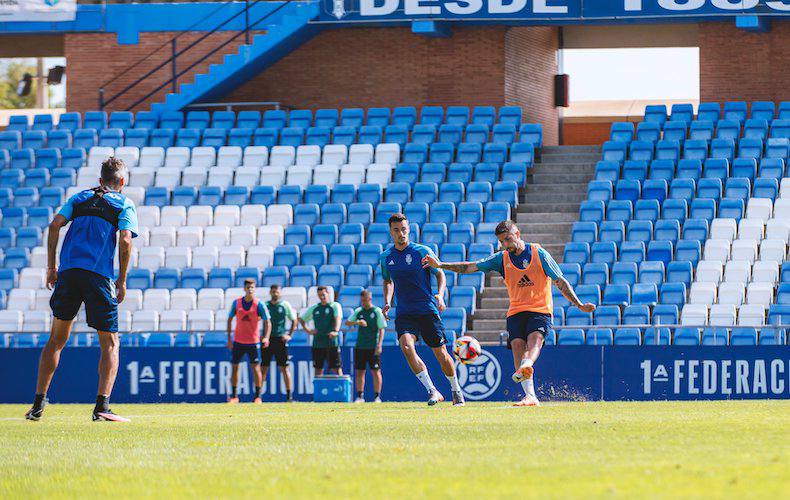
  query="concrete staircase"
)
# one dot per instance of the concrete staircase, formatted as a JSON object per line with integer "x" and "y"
{"x": 547, "y": 209}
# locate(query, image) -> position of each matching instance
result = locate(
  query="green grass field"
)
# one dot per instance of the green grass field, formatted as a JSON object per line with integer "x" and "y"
{"x": 485, "y": 450}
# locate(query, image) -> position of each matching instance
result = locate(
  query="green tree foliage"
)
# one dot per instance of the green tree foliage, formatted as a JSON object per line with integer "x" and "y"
{"x": 9, "y": 79}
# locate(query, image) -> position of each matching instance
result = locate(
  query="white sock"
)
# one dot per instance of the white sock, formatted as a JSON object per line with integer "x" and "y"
{"x": 454, "y": 385}
{"x": 529, "y": 387}
{"x": 525, "y": 362}
{"x": 425, "y": 379}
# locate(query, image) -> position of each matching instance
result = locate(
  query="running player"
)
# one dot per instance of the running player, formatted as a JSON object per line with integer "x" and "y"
{"x": 249, "y": 312}
{"x": 327, "y": 317}
{"x": 86, "y": 275}
{"x": 528, "y": 270}
{"x": 279, "y": 311}
{"x": 371, "y": 323}
{"x": 417, "y": 307}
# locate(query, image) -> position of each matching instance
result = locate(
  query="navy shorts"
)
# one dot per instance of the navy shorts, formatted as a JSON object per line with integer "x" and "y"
{"x": 239, "y": 350}
{"x": 520, "y": 325}
{"x": 427, "y": 326}
{"x": 75, "y": 286}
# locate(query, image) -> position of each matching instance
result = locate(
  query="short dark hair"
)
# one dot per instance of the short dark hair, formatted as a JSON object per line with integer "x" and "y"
{"x": 249, "y": 281}
{"x": 397, "y": 218}
{"x": 366, "y": 293}
{"x": 113, "y": 170}
{"x": 274, "y": 286}
{"x": 506, "y": 226}
{"x": 321, "y": 289}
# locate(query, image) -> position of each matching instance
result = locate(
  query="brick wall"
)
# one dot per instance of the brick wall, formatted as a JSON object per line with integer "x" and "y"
{"x": 585, "y": 133}
{"x": 530, "y": 66}
{"x": 93, "y": 59}
{"x": 737, "y": 65}
{"x": 366, "y": 67}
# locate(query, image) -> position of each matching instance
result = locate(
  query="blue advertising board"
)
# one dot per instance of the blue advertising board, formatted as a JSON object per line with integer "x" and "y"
{"x": 568, "y": 373}
{"x": 541, "y": 10}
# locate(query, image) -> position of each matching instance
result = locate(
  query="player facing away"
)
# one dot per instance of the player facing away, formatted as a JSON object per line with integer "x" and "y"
{"x": 528, "y": 270}
{"x": 417, "y": 307}
{"x": 367, "y": 352}
{"x": 249, "y": 312}
{"x": 327, "y": 317}
{"x": 279, "y": 311}
{"x": 86, "y": 276}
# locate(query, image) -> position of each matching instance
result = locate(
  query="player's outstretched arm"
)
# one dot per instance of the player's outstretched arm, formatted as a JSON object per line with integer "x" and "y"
{"x": 569, "y": 293}
{"x": 458, "y": 267}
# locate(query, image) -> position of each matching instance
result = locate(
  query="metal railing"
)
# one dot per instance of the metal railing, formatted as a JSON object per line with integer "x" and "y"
{"x": 172, "y": 61}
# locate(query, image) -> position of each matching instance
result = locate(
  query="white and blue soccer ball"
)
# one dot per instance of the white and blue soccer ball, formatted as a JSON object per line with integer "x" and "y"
{"x": 467, "y": 349}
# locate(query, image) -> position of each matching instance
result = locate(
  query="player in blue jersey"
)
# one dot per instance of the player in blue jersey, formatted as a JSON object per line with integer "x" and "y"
{"x": 417, "y": 307}
{"x": 86, "y": 276}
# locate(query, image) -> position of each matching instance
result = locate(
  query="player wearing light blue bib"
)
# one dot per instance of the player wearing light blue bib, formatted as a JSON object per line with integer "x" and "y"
{"x": 417, "y": 306}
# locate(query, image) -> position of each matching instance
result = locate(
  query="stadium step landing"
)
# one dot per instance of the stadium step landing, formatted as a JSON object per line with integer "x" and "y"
{"x": 547, "y": 209}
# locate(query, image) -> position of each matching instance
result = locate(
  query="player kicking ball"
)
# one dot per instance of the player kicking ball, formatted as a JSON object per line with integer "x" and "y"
{"x": 528, "y": 270}
{"x": 418, "y": 309}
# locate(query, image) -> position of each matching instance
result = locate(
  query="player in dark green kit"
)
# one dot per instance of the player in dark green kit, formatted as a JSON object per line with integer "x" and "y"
{"x": 327, "y": 317}
{"x": 371, "y": 323}
{"x": 279, "y": 312}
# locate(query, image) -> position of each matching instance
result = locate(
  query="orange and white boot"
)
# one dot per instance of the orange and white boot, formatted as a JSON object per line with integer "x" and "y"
{"x": 257, "y": 401}
{"x": 524, "y": 372}
{"x": 528, "y": 400}
{"x": 233, "y": 400}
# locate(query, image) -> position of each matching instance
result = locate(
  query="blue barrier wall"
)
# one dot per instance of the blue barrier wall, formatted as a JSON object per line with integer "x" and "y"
{"x": 583, "y": 373}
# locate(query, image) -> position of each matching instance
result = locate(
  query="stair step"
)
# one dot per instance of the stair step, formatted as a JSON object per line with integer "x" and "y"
{"x": 526, "y": 217}
{"x": 563, "y": 168}
{"x": 566, "y": 181}
{"x": 495, "y": 293}
{"x": 570, "y": 149}
{"x": 570, "y": 158}
{"x": 493, "y": 302}
{"x": 536, "y": 226}
{"x": 533, "y": 207}
{"x": 490, "y": 314}
{"x": 544, "y": 197}
{"x": 485, "y": 337}
{"x": 489, "y": 324}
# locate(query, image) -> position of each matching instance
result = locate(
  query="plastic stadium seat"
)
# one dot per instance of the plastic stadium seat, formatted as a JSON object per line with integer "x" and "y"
{"x": 657, "y": 336}
{"x": 666, "y": 314}
{"x": 613, "y": 231}
{"x": 607, "y": 171}
{"x": 570, "y": 337}
{"x": 682, "y": 189}
{"x": 644, "y": 293}
{"x": 592, "y": 211}
{"x": 654, "y": 189}
{"x": 682, "y": 112}
{"x": 656, "y": 114}
{"x": 622, "y": 132}
{"x": 743, "y": 337}
{"x": 614, "y": 151}
{"x": 634, "y": 170}
{"x": 495, "y": 153}
{"x": 627, "y": 336}
{"x": 584, "y": 232}
{"x": 619, "y": 210}
{"x": 599, "y": 191}
{"x": 662, "y": 170}
{"x": 648, "y": 131}
{"x": 640, "y": 151}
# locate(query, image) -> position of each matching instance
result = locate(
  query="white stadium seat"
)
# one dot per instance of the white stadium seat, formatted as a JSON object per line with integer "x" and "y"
{"x": 738, "y": 271}
{"x": 177, "y": 157}
{"x": 243, "y": 236}
{"x": 335, "y": 154}
{"x": 194, "y": 176}
{"x": 200, "y": 215}
{"x": 145, "y": 321}
{"x": 136, "y": 194}
{"x": 37, "y": 321}
{"x": 87, "y": 177}
{"x": 379, "y": 173}
{"x": 271, "y": 235}
{"x": 282, "y": 156}
{"x": 203, "y": 156}
{"x": 212, "y": 299}
{"x": 782, "y": 206}
{"x": 162, "y": 236}
{"x": 189, "y": 236}
{"x": 296, "y": 296}
{"x": 717, "y": 250}
{"x": 279, "y": 214}
{"x": 152, "y": 157}
{"x": 256, "y": 156}
{"x": 156, "y": 299}
{"x": 723, "y": 229}
{"x": 33, "y": 278}
{"x": 308, "y": 155}
{"x": 702, "y": 293}
{"x": 11, "y": 321}
{"x": 300, "y": 175}
{"x": 173, "y": 216}
{"x": 312, "y": 295}
{"x": 42, "y": 300}
{"x": 200, "y": 320}
{"x": 232, "y": 256}
{"x": 215, "y": 236}
{"x": 97, "y": 155}
{"x": 732, "y": 294}
{"x": 750, "y": 229}
{"x": 778, "y": 229}
{"x": 260, "y": 256}
{"x": 760, "y": 293}
{"x": 142, "y": 176}
{"x": 773, "y": 250}
{"x": 248, "y": 177}
{"x": 352, "y": 174}
{"x": 759, "y": 209}
{"x": 183, "y": 299}
{"x": 229, "y": 157}
{"x": 226, "y": 215}
{"x": 220, "y": 177}
{"x": 172, "y": 321}
{"x": 205, "y": 257}
{"x": 148, "y": 215}
{"x": 124, "y": 321}
{"x": 133, "y": 301}
{"x": 168, "y": 177}
{"x": 360, "y": 154}
{"x": 694, "y": 314}
{"x": 130, "y": 155}
{"x": 388, "y": 153}
{"x": 765, "y": 271}
{"x": 178, "y": 257}
{"x": 38, "y": 256}
{"x": 722, "y": 315}
{"x": 709, "y": 271}
{"x": 745, "y": 250}
{"x": 253, "y": 215}
{"x": 326, "y": 175}
{"x": 21, "y": 299}
{"x": 751, "y": 315}
{"x": 273, "y": 175}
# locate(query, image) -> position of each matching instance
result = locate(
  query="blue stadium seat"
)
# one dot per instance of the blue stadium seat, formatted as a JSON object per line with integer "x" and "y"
{"x": 40, "y": 216}
{"x": 23, "y": 159}
{"x": 715, "y": 336}
{"x": 469, "y": 153}
{"x": 59, "y": 139}
{"x": 461, "y": 232}
{"x": 286, "y": 255}
{"x": 188, "y": 137}
{"x": 477, "y": 133}
{"x": 689, "y": 250}
{"x": 303, "y": 275}
{"x": 648, "y": 131}
{"x": 297, "y": 234}
{"x": 599, "y": 191}
{"x": 665, "y": 314}
{"x": 613, "y": 231}
{"x": 644, "y": 293}
{"x": 722, "y": 148}
{"x": 407, "y": 172}
{"x": 667, "y": 230}
{"x": 738, "y": 187}
{"x": 676, "y": 131}
{"x": 323, "y": 118}
{"x": 668, "y": 150}
{"x": 197, "y": 120}
{"x": 680, "y": 272}
{"x": 172, "y": 120}
{"x": 772, "y": 168}
{"x": 743, "y": 337}
{"x": 641, "y": 151}
{"x": 756, "y": 129}
{"x": 636, "y": 315}
{"x": 361, "y": 212}
{"x": 244, "y": 273}
{"x": 682, "y": 189}
{"x": 210, "y": 195}
{"x": 443, "y": 212}
{"x": 657, "y": 336}
{"x": 325, "y": 234}
{"x": 523, "y": 153}
{"x": 662, "y": 170}
{"x": 592, "y": 211}
{"x": 619, "y": 210}
{"x": 599, "y": 336}
{"x": 214, "y": 137}
{"x": 220, "y": 277}
{"x": 694, "y": 150}
{"x": 369, "y": 193}
{"x": 596, "y": 273}
{"x": 654, "y": 189}
{"x": 621, "y": 132}
{"x": 433, "y": 232}
{"x": 192, "y": 278}
{"x": 607, "y": 315}
{"x": 311, "y": 255}
{"x": 576, "y": 253}
{"x": 351, "y": 233}
{"x": 765, "y": 187}
{"x": 750, "y": 148}
{"x": 96, "y": 120}
{"x": 607, "y": 171}
{"x": 34, "y": 139}
{"x": 709, "y": 111}
{"x": 505, "y": 191}
{"x": 160, "y": 137}
{"x": 577, "y": 317}
{"x": 320, "y": 194}
{"x": 709, "y": 188}
{"x": 614, "y": 151}
{"x": 415, "y": 153}
{"x": 570, "y": 337}
{"x": 624, "y": 273}
{"x": 425, "y": 192}
{"x": 333, "y": 213}
{"x": 276, "y": 275}
{"x": 486, "y": 172}
{"x": 584, "y": 232}
{"x": 603, "y": 251}
{"x": 648, "y": 210}
{"x": 184, "y": 196}
{"x": 69, "y": 121}
{"x": 635, "y": 170}
{"x": 478, "y": 191}
{"x": 341, "y": 254}
{"x": 656, "y": 113}
{"x": 735, "y": 111}
{"x": 495, "y": 153}
{"x": 687, "y": 336}
{"x": 37, "y": 178}
{"x": 652, "y": 272}
{"x": 627, "y": 336}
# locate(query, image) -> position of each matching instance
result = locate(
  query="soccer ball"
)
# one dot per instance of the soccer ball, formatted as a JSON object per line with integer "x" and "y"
{"x": 467, "y": 349}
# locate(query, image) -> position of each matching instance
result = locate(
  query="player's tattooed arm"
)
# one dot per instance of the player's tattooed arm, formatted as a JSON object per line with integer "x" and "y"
{"x": 389, "y": 290}
{"x": 569, "y": 293}
{"x": 52, "y": 248}
{"x": 458, "y": 267}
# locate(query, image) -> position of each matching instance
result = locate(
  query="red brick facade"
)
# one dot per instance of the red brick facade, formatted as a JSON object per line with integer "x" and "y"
{"x": 737, "y": 65}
